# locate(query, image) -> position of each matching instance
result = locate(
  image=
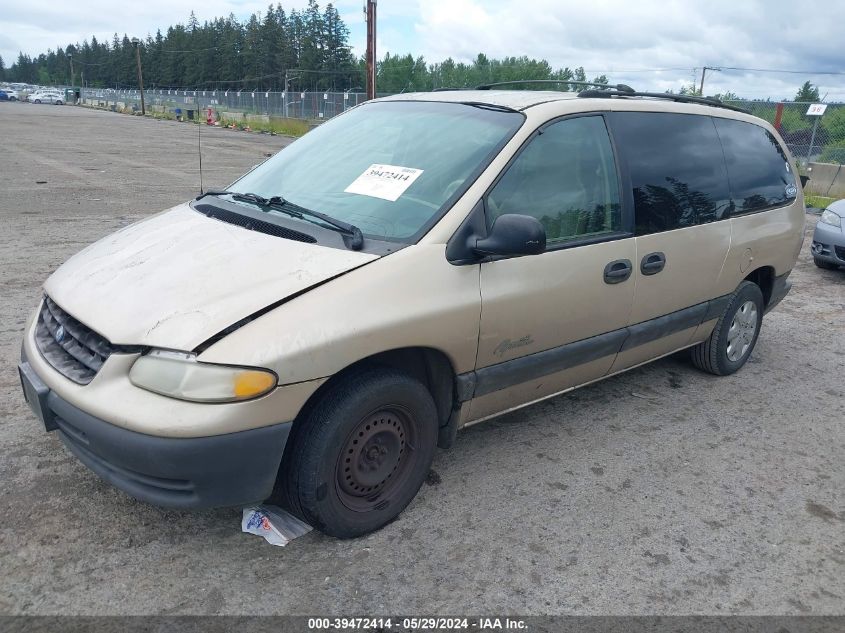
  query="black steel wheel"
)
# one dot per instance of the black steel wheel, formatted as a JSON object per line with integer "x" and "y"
{"x": 361, "y": 454}
{"x": 377, "y": 457}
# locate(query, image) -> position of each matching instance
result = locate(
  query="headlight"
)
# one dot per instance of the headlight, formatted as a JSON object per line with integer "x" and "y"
{"x": 829, "y": 217}
{"x": 180, "y": 375}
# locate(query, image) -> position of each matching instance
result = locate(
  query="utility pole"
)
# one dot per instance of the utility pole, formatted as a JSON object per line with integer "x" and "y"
{"x": 136, "y": 42}
{"x": 370, "y": 11}
{"x": 704, "y": 72}
{"x": 288, "y": 79}
{"x": 71, "y": 70}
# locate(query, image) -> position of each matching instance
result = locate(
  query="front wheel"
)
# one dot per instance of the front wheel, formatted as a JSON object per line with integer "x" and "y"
{"x": 735, "y": 335}
{"x": 362, "y": 453}
{"x": 38, "y": 101}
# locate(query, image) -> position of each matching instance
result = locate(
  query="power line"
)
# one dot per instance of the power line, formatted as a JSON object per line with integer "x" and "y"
{"x": 775, "y": 70}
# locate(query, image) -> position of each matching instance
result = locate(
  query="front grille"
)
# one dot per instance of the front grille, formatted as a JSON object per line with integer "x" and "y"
{"x": 73, "y": 349}
{"x": 840, "y": 252}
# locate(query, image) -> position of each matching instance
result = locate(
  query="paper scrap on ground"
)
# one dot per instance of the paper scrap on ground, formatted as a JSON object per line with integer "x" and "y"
{"x": 274, "y": 524}
{"x": 387, "y": 182}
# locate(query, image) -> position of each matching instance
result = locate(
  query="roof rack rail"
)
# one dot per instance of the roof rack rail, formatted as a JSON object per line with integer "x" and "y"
{"x": 617, "y": 87}
{"x": 709, "y": 101}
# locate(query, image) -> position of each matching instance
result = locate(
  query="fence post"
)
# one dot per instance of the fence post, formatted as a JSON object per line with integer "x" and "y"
{"x": 812, "y": 139}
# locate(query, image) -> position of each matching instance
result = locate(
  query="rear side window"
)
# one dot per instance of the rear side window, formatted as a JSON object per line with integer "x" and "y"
{"x": 758, "y": 169}
{"x": 677, "y": 169}
{"x": 566, "y": 178}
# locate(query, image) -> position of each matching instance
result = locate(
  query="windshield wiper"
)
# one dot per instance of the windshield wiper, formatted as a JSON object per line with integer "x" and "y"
{"x": 278, "y": 203}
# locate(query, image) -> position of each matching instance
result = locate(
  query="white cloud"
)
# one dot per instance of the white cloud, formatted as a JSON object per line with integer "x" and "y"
{"x": 612, "y": 36}
{"x": 603, "y": 36}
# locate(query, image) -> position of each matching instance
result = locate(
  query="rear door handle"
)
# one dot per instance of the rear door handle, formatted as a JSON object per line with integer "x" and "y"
{"x": 617, "y": 271}
{"x": 652, "y": 263}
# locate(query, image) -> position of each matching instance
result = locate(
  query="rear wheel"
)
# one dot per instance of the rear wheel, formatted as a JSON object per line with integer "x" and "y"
{"x": 362, "y": 453}
{"x": 823, "y": 264}
{"x": 735, "y": 335}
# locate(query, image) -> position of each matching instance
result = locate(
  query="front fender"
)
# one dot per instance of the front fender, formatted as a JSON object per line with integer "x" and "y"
{"x": 414, "y": 298}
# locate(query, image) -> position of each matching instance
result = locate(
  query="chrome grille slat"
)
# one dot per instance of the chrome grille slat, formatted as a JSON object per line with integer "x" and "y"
{"x": 80, "y": 353}
{"x": 71, "y": 345}
{"x": 85, "y": 336}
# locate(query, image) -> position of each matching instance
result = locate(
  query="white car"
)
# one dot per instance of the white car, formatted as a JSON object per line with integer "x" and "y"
{"x": 55, "y": 98}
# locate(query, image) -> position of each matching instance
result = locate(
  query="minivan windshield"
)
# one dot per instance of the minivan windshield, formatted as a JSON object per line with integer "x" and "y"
{"x": 390, "y": 168}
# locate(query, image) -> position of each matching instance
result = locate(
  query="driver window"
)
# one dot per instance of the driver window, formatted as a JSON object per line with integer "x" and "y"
{"x": 566, "y": 178}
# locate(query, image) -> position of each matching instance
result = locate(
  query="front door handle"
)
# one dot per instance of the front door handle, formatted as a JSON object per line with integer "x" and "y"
{"x": 617, "y": 271}
{"x": 652, "y": 263}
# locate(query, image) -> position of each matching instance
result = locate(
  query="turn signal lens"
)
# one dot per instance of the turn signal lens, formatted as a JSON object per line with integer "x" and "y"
{"x": 251, "y": 383}
{"x": 180, "y": 375}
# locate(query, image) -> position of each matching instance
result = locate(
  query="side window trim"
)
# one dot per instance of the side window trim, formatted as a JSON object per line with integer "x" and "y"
{"x": 627, "y": 229}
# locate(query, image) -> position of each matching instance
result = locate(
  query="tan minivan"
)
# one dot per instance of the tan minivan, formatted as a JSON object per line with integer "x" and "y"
{"x": 417, "y": 264}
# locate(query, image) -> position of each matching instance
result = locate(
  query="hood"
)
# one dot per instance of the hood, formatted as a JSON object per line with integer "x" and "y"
{"x": 180, "y": 277}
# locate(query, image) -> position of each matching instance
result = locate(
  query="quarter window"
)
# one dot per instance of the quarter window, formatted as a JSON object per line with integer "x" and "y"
{"x": 758, "y": 169}
{"x": 677, "y": 169}
{"x": 566, "y": 178}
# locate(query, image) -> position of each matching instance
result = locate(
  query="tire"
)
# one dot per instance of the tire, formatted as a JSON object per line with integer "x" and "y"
{"x": 38, "y": 101}
{"x": 733, "y": 339}
{"x": 361, "y": 454}
{"x": 823, "y": 264}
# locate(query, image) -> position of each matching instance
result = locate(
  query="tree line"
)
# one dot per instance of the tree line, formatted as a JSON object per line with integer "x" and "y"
{"x": 221, "y": 52}
{"x": 309, "y": 48}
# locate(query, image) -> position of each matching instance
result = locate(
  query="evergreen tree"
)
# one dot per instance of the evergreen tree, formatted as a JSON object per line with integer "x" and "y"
{"x": 808, "y": 93}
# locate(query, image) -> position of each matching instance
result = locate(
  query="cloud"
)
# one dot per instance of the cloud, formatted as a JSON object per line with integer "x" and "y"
{"x": 613, "y": 36}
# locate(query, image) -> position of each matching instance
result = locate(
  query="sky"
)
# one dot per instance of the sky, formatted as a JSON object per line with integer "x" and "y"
{"x": 649, "y": 44}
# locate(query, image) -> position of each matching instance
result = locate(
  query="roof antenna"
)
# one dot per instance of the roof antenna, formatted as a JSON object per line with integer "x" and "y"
{"x": 199, "y": 147}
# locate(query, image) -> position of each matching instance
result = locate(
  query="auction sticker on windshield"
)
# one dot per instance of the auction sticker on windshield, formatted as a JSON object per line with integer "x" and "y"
{"x": 387, "y": 182}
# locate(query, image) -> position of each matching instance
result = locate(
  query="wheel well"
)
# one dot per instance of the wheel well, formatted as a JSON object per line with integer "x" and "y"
{"x": 428, "y": 365}
{"x": 764, "y": 277}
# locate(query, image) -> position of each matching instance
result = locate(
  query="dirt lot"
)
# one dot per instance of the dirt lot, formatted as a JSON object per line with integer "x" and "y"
{"x": 663, "y": 490}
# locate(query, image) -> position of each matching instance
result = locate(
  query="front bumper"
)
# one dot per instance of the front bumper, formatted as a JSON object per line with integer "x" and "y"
{"x": 829, "y": 244}
{"x": 196, "y": 472}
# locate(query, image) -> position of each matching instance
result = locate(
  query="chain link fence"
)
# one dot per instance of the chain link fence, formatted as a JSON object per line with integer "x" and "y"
{"x": 229, "y": 104}
{"x": 811, "y": 139}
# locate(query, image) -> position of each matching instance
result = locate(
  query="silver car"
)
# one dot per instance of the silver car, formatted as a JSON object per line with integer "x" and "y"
{"x": 828, "y": 239}
{"x": 55, "y": 98}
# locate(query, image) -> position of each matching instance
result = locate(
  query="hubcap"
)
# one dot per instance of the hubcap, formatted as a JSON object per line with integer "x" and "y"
{"x": 742, "y": 331}
{"x": 375, "y": 458}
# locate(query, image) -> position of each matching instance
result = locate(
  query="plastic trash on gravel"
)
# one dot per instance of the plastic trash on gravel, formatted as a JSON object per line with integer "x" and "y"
{"x": 274, "y": 524}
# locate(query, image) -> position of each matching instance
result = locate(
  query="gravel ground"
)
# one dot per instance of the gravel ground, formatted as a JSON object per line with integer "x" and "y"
{"x": 662, "y": 490}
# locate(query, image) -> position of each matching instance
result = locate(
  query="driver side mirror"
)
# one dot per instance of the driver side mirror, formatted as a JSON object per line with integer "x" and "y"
{"x": 513, "y": 234}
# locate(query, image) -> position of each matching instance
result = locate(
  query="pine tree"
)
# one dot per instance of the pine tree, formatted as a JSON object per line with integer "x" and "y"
{"x": 807, "y": 93}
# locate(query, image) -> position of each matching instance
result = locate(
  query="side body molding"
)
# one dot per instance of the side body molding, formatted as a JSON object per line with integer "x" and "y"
{"x": 492, "y": 378}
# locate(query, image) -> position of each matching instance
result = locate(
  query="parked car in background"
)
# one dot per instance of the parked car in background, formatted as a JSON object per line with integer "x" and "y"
{"x": 829, "y": 239}
{"x": 4, "y": 96}
{"x": 55, "y": 98}
{"x": 418, "y": 264}
{"x": 13, "y": 94}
